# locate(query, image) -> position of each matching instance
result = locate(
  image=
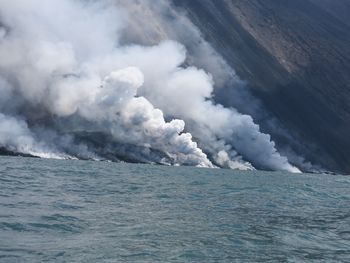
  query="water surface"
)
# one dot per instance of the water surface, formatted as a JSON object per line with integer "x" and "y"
{"x": 81, "y": 211}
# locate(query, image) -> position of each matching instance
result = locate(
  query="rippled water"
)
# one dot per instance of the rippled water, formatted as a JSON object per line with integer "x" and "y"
{"x": 80, "y": 211}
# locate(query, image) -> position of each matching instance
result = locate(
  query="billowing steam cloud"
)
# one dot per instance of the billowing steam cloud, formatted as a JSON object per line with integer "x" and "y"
{"x": 67, "y": 68}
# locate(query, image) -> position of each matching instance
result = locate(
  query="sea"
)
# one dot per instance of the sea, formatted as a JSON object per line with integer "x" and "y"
{"x": 86, "y": 211}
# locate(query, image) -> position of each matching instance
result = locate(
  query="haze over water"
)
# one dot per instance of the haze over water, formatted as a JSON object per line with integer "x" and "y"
{"x": 82, "y": 211}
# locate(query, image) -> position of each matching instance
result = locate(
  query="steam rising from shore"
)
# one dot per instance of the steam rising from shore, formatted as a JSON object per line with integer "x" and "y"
{"x": 66, "y": 67}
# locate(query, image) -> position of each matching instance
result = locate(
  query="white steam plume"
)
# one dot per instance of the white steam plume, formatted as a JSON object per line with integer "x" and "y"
{"x": 52, "y": 57}
{"x": 66, "y": 61}
{"x": 16, "y": 136}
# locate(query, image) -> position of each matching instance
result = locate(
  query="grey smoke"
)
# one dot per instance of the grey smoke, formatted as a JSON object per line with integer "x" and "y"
{"x": 71, "y": 65}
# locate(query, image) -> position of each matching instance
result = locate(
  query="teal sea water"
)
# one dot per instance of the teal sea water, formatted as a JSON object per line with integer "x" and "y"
{"x": 81, "y": 211}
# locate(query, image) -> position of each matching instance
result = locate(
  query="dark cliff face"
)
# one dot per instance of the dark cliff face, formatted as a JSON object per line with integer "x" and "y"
{"x": 295, "y": 56}
{"x": 339, "y": 9}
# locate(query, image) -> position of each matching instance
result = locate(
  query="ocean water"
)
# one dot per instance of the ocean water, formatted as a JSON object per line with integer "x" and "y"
{"x": 82, "y": 211}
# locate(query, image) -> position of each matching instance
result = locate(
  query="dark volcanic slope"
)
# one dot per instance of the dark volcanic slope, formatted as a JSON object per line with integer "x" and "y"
{"x": 296, "y": 57}
{"x": 337, "y": 8}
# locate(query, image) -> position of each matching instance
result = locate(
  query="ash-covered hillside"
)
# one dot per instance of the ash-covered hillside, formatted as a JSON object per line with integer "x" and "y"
{"x": 295, "y": 56}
